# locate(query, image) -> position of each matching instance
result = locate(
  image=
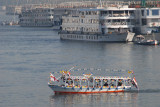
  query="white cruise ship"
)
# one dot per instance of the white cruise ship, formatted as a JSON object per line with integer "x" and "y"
{"x": 39, "y": 17}
{"x": 110, "y": 24}
{"x": 49, "y": 15}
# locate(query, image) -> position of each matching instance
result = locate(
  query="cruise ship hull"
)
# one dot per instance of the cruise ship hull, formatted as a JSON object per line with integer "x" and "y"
{"x": 114, "y": 37}
{"x": 85, "y": 90}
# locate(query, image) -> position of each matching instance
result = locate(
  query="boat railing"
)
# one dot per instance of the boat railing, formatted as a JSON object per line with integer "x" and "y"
{"x": 116, "y": 23}
{"x": 72, "y": 86}
{"x": 118, "y": 15}
{"x": 96, "y": 82}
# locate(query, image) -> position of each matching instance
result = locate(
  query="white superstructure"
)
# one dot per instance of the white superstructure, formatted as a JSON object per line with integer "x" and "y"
{"x": 148, "y": 19}
{"x": 40, "y": 17}
{"x": 49, "y": 15}
{"x": 148, "y": 22}
{"x": 112, "y": 24}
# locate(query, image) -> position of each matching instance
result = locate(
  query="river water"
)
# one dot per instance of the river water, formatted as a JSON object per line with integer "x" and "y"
{"x": 28, "y": 55}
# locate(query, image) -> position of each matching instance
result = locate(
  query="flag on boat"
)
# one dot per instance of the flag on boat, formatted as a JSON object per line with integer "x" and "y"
{"x": 53, "y": 78}
{"x": 68, "y": 73}
{"x": 134, "y": 82}
{"x": 129, "y": 72}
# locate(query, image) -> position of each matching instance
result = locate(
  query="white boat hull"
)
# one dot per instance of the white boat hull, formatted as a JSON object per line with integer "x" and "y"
{"x": 115, "y": 37}
{"x": 85, "y": 90}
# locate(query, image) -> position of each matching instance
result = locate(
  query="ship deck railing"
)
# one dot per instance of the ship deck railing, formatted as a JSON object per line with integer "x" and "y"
{"x": 119, "y": 15}
{"x": 117, "y": 23}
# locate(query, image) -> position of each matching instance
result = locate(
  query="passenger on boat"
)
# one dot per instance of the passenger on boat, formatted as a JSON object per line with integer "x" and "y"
{"x": 63, "y": 78}
{"x": 71, "y": 82}
{"x": 67, "y": 83}
{"x": 105, "y": 84}
{"x": 112, "y": 82}
{"x": 97, "y": 82}
{"x": 120, "y": 83}
{"x": 97, "y": 85}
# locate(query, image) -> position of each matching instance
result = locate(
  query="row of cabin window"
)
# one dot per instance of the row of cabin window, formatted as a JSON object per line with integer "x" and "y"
{"x": 116, "y": 20}
{"x": 81, "y": 37}
{"x": 147, "y": 21}
{"x": 92, "y": 37}
{"x": 155, "y": 12}
{"x": 42, "y": 10}
{"x": 32, "y": 24}
{"x": 127, "y": 12}
{"x": 75, "y": 36}
{"x": 36, "y": 15}
{"x": 91, "y": 29}
{"x": 90, "y": 13}
{"x": 79, "y": 29}
{"x": 80, "y": 20}
{"x": 37, "y": 20}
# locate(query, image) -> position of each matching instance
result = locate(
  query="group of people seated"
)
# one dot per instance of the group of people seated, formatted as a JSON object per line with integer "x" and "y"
{"x": 112, "y": 83}
{"x": 106, "y": 83}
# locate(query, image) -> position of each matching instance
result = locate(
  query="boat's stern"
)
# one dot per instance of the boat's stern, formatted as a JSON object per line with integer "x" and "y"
{"x": 130, "y": 37}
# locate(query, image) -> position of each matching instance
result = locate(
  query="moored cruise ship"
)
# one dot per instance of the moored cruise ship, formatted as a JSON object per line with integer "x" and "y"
{"x": 39, "y": 17}
{"x": 49, "y": 15}
{"x": 109, "y": 24}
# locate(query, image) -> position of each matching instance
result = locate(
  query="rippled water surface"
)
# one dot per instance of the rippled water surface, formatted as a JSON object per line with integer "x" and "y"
{"x": 28, "y": 55}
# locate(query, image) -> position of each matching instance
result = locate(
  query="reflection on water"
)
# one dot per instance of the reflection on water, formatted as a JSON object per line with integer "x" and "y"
{"x": 94, "y": 100}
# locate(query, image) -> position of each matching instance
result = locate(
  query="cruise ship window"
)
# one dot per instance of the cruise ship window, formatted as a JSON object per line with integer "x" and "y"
{"x": 86, "y": 12}
{"x": 142, "y": 11}
{"x": 154, "y": 20}
{"x": 155, "y": 12}
{"x": 147, "y": 12}
{"x": 81, "y": 20}
{"x": 144, "y": 22}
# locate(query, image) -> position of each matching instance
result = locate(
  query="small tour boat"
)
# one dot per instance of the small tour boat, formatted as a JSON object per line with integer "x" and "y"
{"x": 91, "y": 84}
{"x": 142, "y": 41}
{"x": 148, "y": 42}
